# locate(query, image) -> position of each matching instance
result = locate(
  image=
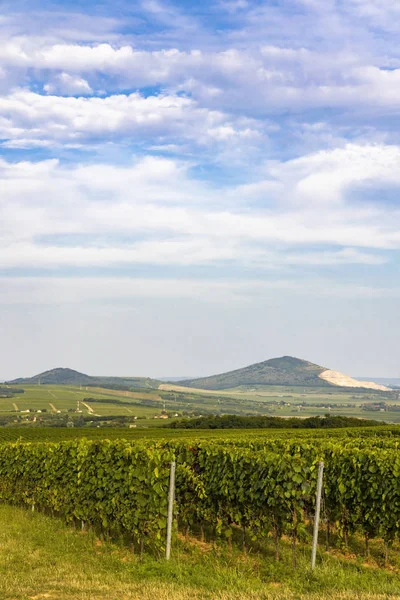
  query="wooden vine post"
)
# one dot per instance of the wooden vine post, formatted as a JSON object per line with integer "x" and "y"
{"x": 317, "y": 513}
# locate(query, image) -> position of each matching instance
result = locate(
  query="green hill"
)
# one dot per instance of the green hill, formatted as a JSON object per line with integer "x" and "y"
{"x": 56, "y": 377}
{"x": 286, "y": 370}
{"x": 62, "y": 376}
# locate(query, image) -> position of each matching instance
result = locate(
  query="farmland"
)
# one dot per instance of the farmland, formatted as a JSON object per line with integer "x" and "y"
{"x": 285, "y": 387}
{"x": 147, "y": 403}
{"x": 294, "y": 401}
{"x": 156, "y": 434}
{"x": 58, "y": 399}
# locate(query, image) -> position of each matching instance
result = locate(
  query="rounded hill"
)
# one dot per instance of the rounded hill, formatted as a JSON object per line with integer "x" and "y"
{"x": 286, "y": 370}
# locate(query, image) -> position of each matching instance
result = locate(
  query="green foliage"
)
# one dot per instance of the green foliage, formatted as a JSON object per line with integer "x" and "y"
{"x": 262, "y": 422}
{"x": 261, "y": 485}
{"x": 269, "y": 488}
{"x": 374, "y": 436}
{"x": 6, "y": 392}
{"x": 112, "y": 484}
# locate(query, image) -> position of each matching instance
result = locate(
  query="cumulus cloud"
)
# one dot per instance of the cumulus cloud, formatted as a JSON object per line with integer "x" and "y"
{"x": 224, "y": 101}
{"x": 234, "y": 97}
{"x": 154, "y": 212}
{"x": 31, "y": 119}
{"x": 278, "y": 78}
{"x": 326, "y": 175}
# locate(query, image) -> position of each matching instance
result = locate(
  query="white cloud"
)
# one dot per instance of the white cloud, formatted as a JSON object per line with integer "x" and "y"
{"x": 154, "y": 212}
{"x": 278, "y": 79}
{"x": 68, "y": 85}
{"x": 33, "y": 119}
{"x": 325, "y": 175}
{"x": 268, "y": 201}
{"x": 182, "y": 251}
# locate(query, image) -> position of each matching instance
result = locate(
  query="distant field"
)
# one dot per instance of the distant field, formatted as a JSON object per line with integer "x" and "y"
{"x": 262, "y": 400}
{"x": 275, "y": 400}
{"x": 55, "y": 398}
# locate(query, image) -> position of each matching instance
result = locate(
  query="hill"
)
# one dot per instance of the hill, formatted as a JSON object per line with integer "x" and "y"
{"x": 286, "y": 370}
{"x": 56, "y": 377}
{"x": 63, "y": 376}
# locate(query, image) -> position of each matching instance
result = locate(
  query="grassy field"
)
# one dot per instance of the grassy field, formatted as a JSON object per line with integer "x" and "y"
{"x": 284, "y": 401}
{"x": 40, "y": 559}
{"x": 268, "y": 400}
{"x": 55, "y": 398}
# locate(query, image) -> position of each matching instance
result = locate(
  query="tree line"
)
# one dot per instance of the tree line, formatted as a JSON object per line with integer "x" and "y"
{"x": 265, "y": 422}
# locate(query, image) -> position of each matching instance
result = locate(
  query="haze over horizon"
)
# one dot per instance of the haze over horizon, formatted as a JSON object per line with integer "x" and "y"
{"x": 195, "y": 187}
{"x": 181, "y": 377}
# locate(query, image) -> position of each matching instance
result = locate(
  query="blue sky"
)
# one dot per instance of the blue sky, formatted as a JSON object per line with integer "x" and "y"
{"x": 190, "y": 187}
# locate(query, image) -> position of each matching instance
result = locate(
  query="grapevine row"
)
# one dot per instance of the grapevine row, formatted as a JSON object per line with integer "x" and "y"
{"x": 58, "y": 434}
{"x": 261, "y": 489}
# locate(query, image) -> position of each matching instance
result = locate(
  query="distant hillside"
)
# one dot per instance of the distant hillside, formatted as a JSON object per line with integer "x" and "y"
{"x": 62, "y": 376}
{"x": 287, "y": 370}
{"x": 55, "y": 377}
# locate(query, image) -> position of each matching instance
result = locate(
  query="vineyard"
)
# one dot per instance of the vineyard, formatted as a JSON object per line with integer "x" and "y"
{"x": 252, "y": 488}
{"x": 58, "y": 434}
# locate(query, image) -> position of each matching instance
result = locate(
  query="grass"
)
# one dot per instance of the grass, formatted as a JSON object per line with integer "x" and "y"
{"x": 40, "y": 559}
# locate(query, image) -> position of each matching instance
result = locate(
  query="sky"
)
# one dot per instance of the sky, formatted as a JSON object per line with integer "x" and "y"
{"x": 191, "y": 187}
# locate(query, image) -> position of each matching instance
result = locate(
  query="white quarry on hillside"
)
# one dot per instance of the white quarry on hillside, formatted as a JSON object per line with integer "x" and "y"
{"x": 336, "y": 378}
